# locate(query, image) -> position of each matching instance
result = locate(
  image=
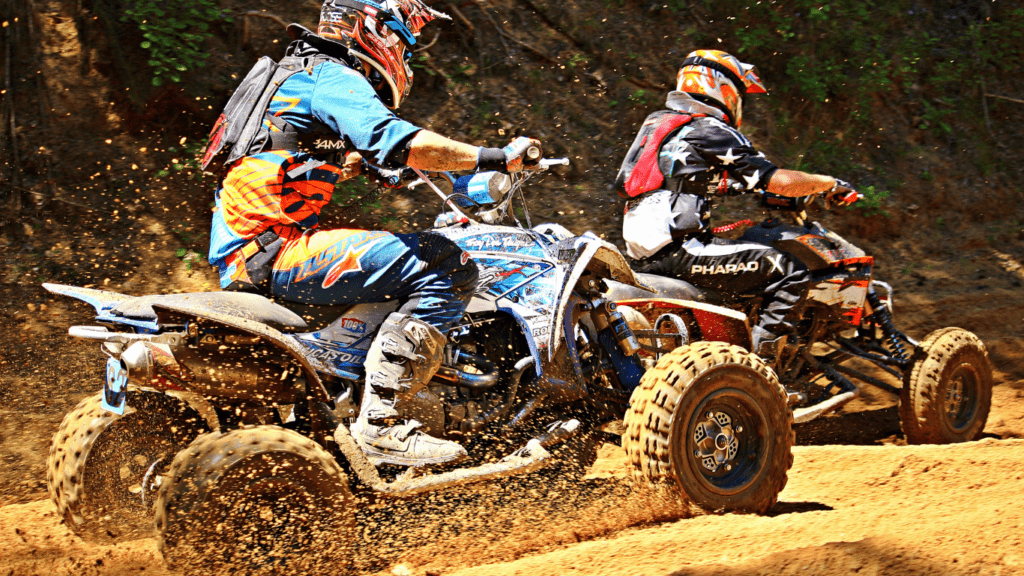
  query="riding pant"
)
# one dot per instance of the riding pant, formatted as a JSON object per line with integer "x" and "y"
{"x": 429, "y": 274}
{"x": 738, "y": 268}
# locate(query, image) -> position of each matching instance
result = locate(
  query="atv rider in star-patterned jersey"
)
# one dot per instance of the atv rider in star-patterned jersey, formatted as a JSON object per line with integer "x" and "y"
{"x": 685, "y": 156}
{"x": 327, "y": 121}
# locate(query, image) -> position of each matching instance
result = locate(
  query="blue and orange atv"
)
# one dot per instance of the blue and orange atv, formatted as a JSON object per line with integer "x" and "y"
{"x": 223, "y": 425}
{"x": 847, "y": 316}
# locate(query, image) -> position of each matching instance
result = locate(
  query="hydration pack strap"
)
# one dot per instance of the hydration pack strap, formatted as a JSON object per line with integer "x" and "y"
{"x": 321, "y": 145}
{"x": 321, "y": 142}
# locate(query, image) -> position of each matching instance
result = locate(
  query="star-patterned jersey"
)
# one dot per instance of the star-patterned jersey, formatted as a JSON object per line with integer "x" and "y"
{"x": 693, "y": 161}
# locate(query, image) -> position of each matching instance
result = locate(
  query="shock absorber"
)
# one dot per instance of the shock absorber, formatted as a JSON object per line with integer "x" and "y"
{"x": 884, "y": 319}
{"x": 606, "y": 315}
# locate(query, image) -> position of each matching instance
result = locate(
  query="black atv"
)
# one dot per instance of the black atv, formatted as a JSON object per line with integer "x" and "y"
{"x": 946, "y": 378}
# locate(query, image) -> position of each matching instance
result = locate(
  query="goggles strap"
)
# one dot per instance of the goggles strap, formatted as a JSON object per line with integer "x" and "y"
{"x": 382, "y": 14}
{"x": 729, "y": 74}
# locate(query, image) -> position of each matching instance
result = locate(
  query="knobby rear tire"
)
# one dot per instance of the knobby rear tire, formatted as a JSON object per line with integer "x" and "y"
{"x": 262, "y": 500}
{"x": 98, "y": 461}
{"x": 693, "y": 387}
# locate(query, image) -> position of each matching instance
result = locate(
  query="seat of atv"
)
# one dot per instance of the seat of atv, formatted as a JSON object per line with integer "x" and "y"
{"x": 253, "y": 307}
{"x": 665, "y": 288}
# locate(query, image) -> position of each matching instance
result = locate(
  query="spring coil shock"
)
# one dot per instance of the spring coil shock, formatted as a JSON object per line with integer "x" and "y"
{"x": 884, "y": 319}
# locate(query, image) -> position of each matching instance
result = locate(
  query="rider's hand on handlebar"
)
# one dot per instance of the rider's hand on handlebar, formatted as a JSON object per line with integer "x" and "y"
{"x": 842, "y": 193}
{"x": 387, "y": 178}
{"x": 522, "y": 153}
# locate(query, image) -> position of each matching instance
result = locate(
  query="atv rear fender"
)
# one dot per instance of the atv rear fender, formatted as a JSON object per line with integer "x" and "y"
{"x": 168, "y": 313}
{"x": 705, "y": 321}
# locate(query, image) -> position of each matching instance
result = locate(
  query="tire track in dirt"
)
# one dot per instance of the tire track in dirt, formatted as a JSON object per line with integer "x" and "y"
{"x": 879, "y": 509}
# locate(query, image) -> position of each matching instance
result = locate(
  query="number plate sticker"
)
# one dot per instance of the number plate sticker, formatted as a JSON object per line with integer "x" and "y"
{"x": 115, "y": 389}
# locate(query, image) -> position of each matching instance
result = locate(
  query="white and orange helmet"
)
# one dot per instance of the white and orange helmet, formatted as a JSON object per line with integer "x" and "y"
{"x": 719, "y": 79}
{"x": 381, "y": 35}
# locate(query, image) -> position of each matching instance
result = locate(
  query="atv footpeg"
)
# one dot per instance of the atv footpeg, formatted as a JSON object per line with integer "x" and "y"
{"x": 559, "y": 432}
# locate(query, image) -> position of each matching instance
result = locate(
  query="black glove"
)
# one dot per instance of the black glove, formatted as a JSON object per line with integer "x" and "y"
{"x": 521, "y": 153}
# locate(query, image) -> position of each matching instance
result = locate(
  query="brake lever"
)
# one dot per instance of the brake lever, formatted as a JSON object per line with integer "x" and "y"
{"x": 546, "y": 163}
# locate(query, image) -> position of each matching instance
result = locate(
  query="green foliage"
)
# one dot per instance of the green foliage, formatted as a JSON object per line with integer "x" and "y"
{"x": 869, "y": 51}
{"x": 872, "y": 202}
{"x": 355, "y": 192}
{"x": 576, "y": 59}
{"x": 820, "y": 154}
{"x": 419, "y": 62}
{"x": 174, "y": 33}
{"x": 191, "y": 242}
{"x": 643, "y": 97}
{"x": 359, "y": 195}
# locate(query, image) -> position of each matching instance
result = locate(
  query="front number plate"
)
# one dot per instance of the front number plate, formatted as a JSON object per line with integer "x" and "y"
{"x": 115, "y": 389}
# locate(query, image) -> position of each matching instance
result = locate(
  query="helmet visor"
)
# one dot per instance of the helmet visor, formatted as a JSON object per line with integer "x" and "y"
{"x": 378, "y": 12}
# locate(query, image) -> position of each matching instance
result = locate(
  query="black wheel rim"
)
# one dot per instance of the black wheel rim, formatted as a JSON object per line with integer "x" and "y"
{"x": 962, "y": 389}
{"x": 726, "y": 441}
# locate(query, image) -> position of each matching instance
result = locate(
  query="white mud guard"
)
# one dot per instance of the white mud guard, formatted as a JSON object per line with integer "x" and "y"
{"x": 606, "y": 261}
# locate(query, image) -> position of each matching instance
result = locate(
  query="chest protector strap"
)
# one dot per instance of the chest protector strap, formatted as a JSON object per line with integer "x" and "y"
{"x": 640, "y": 173}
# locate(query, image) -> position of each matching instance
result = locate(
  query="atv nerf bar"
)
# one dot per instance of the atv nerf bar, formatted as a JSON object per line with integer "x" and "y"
{"x": 848, "y": 391}
{"x": 529, "y": 458}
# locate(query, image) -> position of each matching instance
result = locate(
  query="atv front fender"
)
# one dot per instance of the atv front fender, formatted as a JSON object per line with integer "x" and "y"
{"x": 600, "y": 258}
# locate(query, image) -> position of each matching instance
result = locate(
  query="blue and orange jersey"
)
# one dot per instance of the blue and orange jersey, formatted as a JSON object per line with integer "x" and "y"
{"x": 258, "y": 192}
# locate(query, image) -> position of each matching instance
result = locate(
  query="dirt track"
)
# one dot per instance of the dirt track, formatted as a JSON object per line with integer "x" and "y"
{"x": 866, "y": 510}
{"x": 858, "y": 500}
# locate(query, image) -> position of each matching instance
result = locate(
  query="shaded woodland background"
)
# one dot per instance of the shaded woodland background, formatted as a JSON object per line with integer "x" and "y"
{"x": 918, "y": 102}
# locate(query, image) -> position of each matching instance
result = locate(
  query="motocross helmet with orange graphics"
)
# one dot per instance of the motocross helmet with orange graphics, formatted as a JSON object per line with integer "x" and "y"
{"x": 382, "y": 36}
{"x": 719, "y": 79}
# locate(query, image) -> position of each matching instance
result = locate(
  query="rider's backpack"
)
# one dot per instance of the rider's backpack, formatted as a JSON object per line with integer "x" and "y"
{"x": 238, "y": 125}
{"x": 640, "y": 173}
{"x": 239, "y": 129}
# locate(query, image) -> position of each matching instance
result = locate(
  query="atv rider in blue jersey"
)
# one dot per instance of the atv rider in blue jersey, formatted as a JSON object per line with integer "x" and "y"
{"x": 329, "y": 118}
{"x": 685, "y": 156}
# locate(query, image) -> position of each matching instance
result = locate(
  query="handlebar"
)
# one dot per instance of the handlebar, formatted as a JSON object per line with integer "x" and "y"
{"x": 491, "y": 212}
